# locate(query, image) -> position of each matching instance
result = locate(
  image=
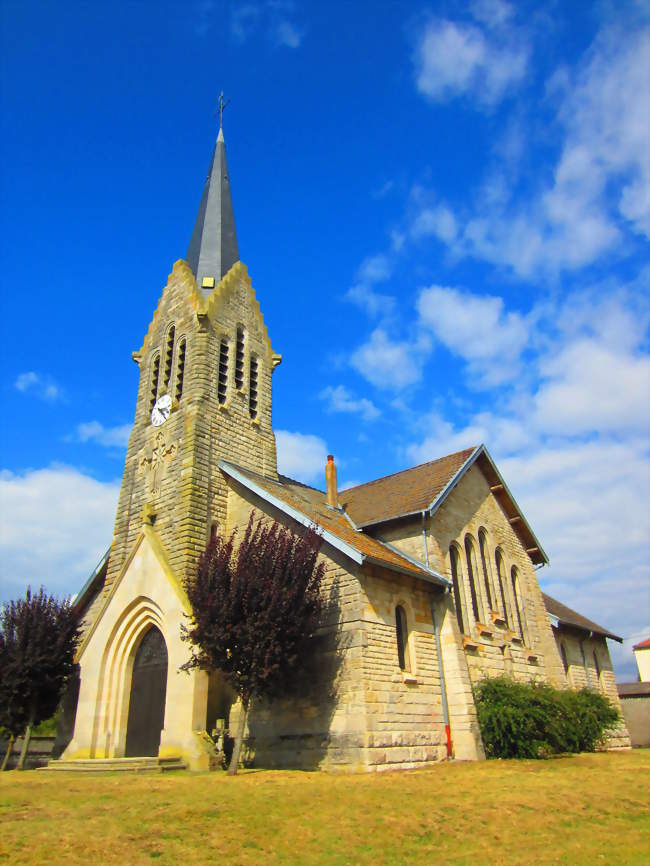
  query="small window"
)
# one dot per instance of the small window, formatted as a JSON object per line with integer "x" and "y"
{"x": 169, "y": 356}
{"x": 180, "y": 371}
{"x": 214, "y": 532}
{"x": 501, "y": 577}
{"x": 222, "y": 385}
{"x": 155, "y": 374}
{"x": 239, "y": 360}
{"x": 596, "y": 666}
{"x": 252, "y": 388}
{"x": 401, "y": 633}
{"x": 515, "y": 591}
{"x": 564, "y": 658}
{"x": 455, "y": 579}
{"x": 485, "y": 562}
{"x": 472, "y": 572}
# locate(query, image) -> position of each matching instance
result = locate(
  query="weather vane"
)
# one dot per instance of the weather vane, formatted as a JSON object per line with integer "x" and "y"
{"x": 221, "y": 107}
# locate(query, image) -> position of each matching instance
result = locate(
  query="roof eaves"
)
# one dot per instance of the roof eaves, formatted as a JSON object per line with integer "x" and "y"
{"x": 289, "y": 510}
{"x": 87, "y": 585}
{"x": 446, "y": 490}
{"x": 435, "y": 576}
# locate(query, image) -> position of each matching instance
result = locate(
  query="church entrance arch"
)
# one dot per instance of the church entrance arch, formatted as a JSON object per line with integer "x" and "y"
{"x": 147, "y": 698}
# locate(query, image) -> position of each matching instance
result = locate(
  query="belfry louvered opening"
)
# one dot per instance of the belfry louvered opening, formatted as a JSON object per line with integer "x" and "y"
{"x": 169, "y": 356}
{"x": 222, "y": 385}
{"x": 252, "y": 387}
{"x": 180, "y": 371}
{"x": 239, "y": 360}
{"x": 155, "y": 374}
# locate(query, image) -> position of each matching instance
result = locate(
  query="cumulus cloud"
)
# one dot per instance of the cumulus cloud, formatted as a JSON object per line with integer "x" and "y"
{"x": 43, "y": 387}
{"x": 453, "y": 59}
{"x": 476, "y": 328}
{"x": 56, "y": 524}
{"x": 301, "y": 456}
{"x": 391, "y": 364}
{"x": 110, "y": 437}
{"x": 339, "y": 399}
{"x": 372, "y": 270}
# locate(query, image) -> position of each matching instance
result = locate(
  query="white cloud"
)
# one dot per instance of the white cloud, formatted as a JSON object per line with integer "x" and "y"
{"x": 110, "y": 437}
{"x": 301, "y": 456}
{"x": 244, "y": 19}
{"x": 56, "y": 523}
{"x": 285, "y": 34}
{"x": 476, "y": 328}
{"x": 588, "y": 386}
{"x": 339, "y": 399}
{"x": 389, "y": 364}
{"x": 454, "y": 59}
{"x": 372, "y": 270}
{"x": 600, "y": 184}
{"x": 438, "y": 222}
{"x": 43, "y": 387}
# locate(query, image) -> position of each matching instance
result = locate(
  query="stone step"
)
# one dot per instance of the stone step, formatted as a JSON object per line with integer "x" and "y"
{"x": 106, "y": 765}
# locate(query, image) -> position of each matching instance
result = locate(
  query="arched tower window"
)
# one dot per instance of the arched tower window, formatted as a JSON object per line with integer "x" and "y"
{"x": 402, "y": 634}
{"x": 517, "y": 597}
{"x": 169, "y": 356}
{"x": 596, "y": 666}
{"x": 472, "y": 571}
{"x": 501, "y": 578}
{"x": 485, "y": 562}
{"x": 180, "y": 370}
{"x": 222, "y": 385}
{"x": 454, "y": 558}
{"x": 252, "y": 387}
{"x": 155, "y": 375}
{"x": 239, "y": 359}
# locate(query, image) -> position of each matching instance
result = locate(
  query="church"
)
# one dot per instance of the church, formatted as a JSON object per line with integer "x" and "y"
{"x": 430, "y": 572}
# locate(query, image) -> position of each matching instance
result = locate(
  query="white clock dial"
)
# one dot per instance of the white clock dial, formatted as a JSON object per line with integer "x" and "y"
{"x": 162, "y": 410}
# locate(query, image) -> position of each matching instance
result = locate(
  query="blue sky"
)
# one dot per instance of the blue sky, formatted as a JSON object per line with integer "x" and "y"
{"x": 445, "y": 212}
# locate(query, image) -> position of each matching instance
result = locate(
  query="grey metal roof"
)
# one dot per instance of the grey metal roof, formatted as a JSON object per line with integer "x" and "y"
{"x": 213, "y": 246}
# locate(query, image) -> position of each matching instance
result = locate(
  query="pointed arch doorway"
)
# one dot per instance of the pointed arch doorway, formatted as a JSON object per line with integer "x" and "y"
{"x": 147, "y": 699}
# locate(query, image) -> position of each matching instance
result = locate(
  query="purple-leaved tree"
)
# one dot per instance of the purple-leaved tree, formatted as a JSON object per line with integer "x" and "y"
{"x": 38, "y": 641}
{"x": 256, "y": 607}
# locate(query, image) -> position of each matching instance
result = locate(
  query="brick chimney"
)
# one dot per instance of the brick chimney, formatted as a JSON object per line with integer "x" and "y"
{"x": 330, "y": 480}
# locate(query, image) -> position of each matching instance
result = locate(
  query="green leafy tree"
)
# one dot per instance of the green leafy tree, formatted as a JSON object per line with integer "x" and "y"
{"x": 256, "y": 607}
{"x": 38, "y": 641}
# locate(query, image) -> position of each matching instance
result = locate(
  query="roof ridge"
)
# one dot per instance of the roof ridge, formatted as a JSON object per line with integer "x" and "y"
{"x": 470, "y": 449}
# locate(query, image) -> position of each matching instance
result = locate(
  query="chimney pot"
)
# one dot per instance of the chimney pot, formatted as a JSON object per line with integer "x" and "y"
{"x": 330, "y": 480}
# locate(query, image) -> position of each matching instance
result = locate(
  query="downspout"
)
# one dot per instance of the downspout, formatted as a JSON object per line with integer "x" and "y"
{"x": 441, "y": 668}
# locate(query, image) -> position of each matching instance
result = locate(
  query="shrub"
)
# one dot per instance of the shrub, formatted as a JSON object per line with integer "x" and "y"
{"x": 536, "y": 720}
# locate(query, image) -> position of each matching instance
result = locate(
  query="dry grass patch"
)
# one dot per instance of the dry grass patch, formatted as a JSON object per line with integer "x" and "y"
{"x": 588, "y": 809}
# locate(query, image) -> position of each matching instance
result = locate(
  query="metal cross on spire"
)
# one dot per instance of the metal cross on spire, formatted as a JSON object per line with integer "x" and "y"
{"x": 221, "y": 107}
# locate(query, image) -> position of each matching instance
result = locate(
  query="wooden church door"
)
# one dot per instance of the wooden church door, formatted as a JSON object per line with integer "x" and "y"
{"x": 147, "y": 701}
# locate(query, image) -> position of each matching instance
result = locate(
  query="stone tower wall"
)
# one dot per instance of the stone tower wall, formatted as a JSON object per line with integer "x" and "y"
{"x": 171, "y": 477}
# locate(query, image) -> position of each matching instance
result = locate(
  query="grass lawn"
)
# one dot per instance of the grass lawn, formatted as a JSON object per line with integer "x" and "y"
{"x": 588, "y": 809}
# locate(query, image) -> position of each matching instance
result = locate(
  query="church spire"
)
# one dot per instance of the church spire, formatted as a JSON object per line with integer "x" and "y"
{"x": 213, "y": 246}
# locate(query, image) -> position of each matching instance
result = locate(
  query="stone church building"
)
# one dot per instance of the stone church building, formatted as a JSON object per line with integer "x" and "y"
{"x": 430, "y": 572}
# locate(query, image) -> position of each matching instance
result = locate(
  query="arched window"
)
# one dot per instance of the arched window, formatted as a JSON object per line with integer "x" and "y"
{"x": 454, "y": 558}
{"x": 472, "y": 571}
{"x": 485, "y": 562}
{"x": 169, "y": 356}
{"x": 239, "y": 359}
{"x": 252, "y": 387}
{"x": 155, "y": 374}
{"x": 222, "y": 386}
{"x": 501, "y": 578}
{"x": 564, "y": 658}
{"x": 515, "y": 592}
{"x": 180, "y": 370}
{"x": 402, "y": 636}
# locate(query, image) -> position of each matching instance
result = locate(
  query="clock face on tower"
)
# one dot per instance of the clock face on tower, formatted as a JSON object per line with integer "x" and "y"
{"x": 161, "y": 410}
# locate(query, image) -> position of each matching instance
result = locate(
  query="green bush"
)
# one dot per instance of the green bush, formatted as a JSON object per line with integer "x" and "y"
{"x": 535, "y": 720}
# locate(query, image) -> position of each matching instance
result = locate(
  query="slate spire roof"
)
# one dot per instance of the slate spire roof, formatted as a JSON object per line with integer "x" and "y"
{"x": 213, "y": 246}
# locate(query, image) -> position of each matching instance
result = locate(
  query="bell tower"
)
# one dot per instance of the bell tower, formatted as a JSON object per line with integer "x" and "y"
{"x": 204, "y": 394}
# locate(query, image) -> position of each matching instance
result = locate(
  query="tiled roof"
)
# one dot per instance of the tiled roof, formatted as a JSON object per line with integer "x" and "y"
{"x": 645, "y": 644}
{"x": 311, "y": 504}
{"x": 569, "y": 617}
{"x": 407, "y": 492}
